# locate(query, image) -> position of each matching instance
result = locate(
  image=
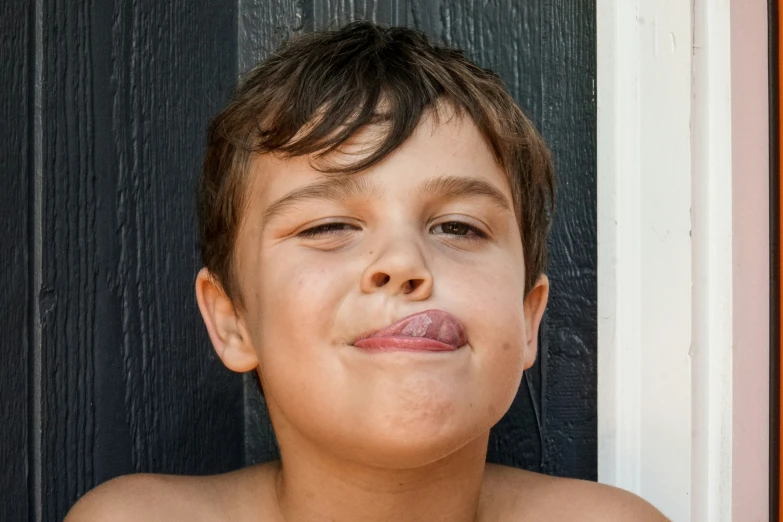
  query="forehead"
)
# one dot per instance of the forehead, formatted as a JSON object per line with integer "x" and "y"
{"x": 451, "y": 146}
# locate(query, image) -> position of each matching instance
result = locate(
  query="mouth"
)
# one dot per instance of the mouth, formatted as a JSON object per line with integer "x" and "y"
{"x": 428, "y": 331}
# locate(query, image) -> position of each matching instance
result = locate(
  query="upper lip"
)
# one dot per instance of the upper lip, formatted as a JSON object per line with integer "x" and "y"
{"x": 395, "y": 328}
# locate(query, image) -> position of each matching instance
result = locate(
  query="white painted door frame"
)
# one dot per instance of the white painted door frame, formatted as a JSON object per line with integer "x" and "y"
{"x": 683, "y": 255}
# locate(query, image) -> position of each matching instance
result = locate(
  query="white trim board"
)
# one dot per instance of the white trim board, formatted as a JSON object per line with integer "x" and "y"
{"x": 683, "y": 255}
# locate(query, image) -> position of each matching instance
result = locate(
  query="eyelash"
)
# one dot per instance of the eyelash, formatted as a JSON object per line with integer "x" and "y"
{"x": 329, "y": 228}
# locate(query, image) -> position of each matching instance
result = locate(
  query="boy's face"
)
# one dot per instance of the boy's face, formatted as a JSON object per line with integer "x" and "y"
{"x": 396, "y": 244}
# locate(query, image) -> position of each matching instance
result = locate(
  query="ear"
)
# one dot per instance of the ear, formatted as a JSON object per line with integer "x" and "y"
{"x": 535, "y": 304}
{"x": 226, "y": 329}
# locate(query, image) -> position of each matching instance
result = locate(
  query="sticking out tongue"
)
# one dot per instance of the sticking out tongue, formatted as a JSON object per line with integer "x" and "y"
{"x": 432, "y": 324}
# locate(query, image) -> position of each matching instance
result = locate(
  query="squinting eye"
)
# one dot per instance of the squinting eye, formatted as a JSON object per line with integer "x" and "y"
{"x": 451, "y": 228}
{"x": 458, "y": 228}
{"x": 324, "y": 230}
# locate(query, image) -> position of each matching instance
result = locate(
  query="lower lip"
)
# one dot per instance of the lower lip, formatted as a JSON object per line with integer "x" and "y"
{"x": 407, "y": 344}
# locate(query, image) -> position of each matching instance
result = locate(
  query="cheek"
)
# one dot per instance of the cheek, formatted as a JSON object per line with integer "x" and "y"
{"x": 494, "y": 301}
{"x": 301, "y": 294}
{"x": 491, "y": 300}
{"x": 503, "y": 365}
{"x": 297, "y": 303}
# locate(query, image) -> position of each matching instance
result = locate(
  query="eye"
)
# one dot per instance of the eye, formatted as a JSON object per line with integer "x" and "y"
{"x": 462, "y": 230}
{"x": 325, "y": 230}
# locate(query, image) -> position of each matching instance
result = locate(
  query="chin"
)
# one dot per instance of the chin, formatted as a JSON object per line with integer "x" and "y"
{"x": 409, "y": 440}
{"x": 411, "y": 452}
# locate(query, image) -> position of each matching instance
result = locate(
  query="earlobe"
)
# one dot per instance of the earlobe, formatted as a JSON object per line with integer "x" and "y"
{"x": 535, "y": 304}
{"x": 226, "y": 329}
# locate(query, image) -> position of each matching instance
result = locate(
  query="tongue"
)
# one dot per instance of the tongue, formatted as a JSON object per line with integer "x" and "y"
{"x": 432, "y": 324}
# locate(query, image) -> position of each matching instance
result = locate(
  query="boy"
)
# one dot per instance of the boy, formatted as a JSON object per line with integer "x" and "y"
{"x": 373, "y": 215}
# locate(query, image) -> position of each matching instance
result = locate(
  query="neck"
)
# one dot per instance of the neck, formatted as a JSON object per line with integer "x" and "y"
{"x": 315, "y": 485}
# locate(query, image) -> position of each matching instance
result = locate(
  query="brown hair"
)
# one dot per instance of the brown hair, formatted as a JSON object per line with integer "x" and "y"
{"x": 318, "y": 90}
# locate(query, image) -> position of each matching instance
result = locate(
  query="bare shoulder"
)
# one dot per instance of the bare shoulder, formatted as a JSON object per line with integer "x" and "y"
{"x": 154, "y": 497}
{"x": 142, "y": 497}
{"x": 533, "y": 496}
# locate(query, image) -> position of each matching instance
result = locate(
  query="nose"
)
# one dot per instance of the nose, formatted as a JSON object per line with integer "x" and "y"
{"x": 400, "y": 268}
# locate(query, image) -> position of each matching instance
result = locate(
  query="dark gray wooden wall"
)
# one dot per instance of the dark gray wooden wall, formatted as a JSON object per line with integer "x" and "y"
{"x": 106, "y": 366}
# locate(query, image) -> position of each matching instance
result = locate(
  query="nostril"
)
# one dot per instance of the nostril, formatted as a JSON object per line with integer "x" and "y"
{"x": 380, "y": 279}
{"x": 412, "y": 284}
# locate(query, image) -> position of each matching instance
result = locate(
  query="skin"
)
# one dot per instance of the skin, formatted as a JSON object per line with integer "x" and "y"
{"x": 375, "y": 436}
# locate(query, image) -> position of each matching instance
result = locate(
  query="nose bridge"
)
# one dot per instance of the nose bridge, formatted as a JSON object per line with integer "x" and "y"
{"x": 399, "y": 263}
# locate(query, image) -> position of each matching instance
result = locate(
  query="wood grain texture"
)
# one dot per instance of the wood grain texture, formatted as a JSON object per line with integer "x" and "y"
{"x": 568, "y": 116}
{"x": 331, "y": 14}
{"x": 15, "y": 279}
{"x": 130, "y": 382}
{"x": 545, "y": 52}
{"x": 263, "y": 24}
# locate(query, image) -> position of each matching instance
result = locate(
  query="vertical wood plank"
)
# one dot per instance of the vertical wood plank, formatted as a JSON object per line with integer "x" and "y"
{"x": 65, "y": 298}
{"x": 130, "y": 382}
{"x": 568, "y": 116}
{"x": 15, "y": 280}
{"x": 173, "y": 66}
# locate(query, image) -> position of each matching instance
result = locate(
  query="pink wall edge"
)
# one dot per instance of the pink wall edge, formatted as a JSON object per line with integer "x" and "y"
{"x": 750, "y": 167}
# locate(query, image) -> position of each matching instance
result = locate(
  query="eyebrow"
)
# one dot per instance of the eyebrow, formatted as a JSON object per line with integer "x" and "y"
{"x": 338, "y": 188}
{"x": 452, "y": 187}
{"x": 348, "y": 186}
